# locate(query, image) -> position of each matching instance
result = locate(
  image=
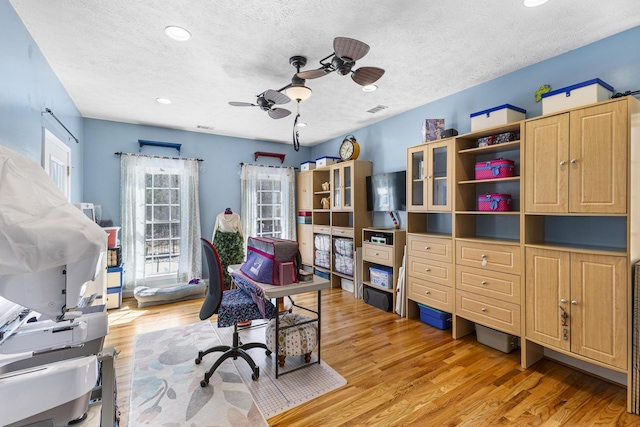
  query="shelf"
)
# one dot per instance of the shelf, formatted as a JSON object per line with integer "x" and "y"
{"x": 380, "y": 288}
{"x": 487, "y": 212}
{"x": 513, "y": 242}
{"x": 597, "y": 250}
{"x": 493, "y": 180}
{"x": 505, "y": 146}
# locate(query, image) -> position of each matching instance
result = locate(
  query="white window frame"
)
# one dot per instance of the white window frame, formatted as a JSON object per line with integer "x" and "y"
{"x": 174, "y": 242}
{"x": 275, "y": 205}
{"x": 56, "y": 161}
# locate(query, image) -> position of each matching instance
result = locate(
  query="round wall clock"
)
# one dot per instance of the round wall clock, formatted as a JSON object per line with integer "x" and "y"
{"x": 349, "y": 149}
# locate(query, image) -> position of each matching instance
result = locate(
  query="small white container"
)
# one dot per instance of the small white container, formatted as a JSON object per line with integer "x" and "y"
{"x": 584, "y": 93}
{"x": 346, "y": 284}
{"x": 326, "y": 161}
{"x": 497, "y": 116}
{"x": 307, "y": 166}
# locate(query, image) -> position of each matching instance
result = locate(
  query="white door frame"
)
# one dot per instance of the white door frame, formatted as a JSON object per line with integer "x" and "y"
{"x": 56, "y": 161}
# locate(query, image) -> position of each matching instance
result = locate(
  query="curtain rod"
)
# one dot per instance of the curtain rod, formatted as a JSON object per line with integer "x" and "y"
{"x": 119, "y": 153}
{"x": 48, "y": 110}
{"x": 268, "y": 166}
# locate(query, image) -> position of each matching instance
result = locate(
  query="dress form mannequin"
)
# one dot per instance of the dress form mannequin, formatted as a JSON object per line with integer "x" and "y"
{"x": 229, "y": 241}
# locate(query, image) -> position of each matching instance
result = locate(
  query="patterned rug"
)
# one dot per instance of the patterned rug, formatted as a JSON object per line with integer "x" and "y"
{"x": 165, "y": 389}
{"x": 272, "y": 395}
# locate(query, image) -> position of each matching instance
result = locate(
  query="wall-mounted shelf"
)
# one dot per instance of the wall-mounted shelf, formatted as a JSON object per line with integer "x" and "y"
{"x": 142, "y": 143}
{"x": 265, "y": 154}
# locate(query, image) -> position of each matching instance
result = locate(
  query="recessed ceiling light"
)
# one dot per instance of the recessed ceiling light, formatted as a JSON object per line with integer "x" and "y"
{"x": 534, "y": 3}
{"x": 177, "y": 33}
{"x": 369, "y": 88}
{"x": 163, "y": 100}
{"x": 301, "y": 124}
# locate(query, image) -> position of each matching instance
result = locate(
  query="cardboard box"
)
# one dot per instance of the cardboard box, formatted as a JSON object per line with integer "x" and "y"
{"x": 307, "y": 166}
{"x": 584, "y": 93}
{"x": 434, "y": 317}
{"x": 504, "y": 342}
{"x": 497, "y": 116}
{"x": 326, "y": 161}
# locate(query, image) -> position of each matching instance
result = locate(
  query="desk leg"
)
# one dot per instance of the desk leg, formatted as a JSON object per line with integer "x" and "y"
{"x": 319, "y": 323}
{"x": 279, "y": 301}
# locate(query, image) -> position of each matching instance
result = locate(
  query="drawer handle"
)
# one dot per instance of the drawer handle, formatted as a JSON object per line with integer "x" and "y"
{"x": 484, "y": 282}
{"x": 574, "y": 161}
{"x": 484, "y": 309}
{"x": 564, "y": 301}
{"x": 574, "y": 302}
{"x": 427, "y": 269}
{"x": 427, "y": 292}
{"x": 562, "y": 163}
{"x": 426, "y": 248}
{"x": 377, "y": 254}
{"x": 483, "y": 256}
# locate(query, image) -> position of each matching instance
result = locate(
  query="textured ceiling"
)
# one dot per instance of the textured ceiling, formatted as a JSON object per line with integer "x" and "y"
{"x": 114, "y": 60}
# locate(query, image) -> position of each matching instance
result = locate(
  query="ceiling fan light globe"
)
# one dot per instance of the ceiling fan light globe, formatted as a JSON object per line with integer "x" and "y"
{"x": 298, "y": 92}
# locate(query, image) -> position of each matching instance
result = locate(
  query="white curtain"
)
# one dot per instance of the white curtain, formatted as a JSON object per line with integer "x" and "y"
{"x": 133, "y": 213}
{"x": 249, "y": 177}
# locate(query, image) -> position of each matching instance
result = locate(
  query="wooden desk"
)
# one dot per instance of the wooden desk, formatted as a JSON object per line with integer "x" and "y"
{"x": 279, "y": 292}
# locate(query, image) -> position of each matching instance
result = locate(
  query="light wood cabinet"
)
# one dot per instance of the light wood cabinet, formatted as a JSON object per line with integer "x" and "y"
{"x": 577, "y": 161}
{"x": 305, "y": 243}
{"x": 577, "y": 303}
{"x": 386, "y": 254}
{"x": 304, "y": 191}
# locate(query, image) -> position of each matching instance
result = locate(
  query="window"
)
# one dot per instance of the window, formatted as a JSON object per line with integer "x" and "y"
{"x": 162, "y": 230}
{"x": 269, "y": 219}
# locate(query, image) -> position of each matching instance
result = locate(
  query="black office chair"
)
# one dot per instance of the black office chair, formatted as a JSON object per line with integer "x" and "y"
{"x": 232, "y": 306}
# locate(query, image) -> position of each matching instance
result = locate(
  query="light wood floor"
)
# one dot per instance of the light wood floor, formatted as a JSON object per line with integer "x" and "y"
{"x": 403, "y": 372}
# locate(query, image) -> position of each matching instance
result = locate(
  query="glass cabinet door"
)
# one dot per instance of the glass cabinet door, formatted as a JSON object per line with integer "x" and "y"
{"x": 438, "y": 175}
{"x": 416, "y": 179}
{"x": 347, "y": 193}
{"x": 336, "y": 188}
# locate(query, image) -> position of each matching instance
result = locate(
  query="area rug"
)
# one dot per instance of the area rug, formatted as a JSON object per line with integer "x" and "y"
{"x": 165, "y": 387}
{"x": 272, "y": 395}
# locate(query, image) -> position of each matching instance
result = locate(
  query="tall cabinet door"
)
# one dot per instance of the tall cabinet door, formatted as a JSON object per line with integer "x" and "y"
{"x": 440, "y": 166}
{"x": 547, "y": 286}
{"x": 599, "y": 307}
{"x": 416, "y": 183}
{"x": 342, "y": 187}
{"x": 547, "y": 164}
{"x": 598, "y": 156}
{"x": 305, "y": 191}
{"x": 305, "y": 243}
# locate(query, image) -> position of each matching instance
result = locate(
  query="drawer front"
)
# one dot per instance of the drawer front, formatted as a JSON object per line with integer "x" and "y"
{"x": 501, "y": 315}
{"x": 431, "y": 294}
{"x": 430, "y": 248}
{"x": 493, "y": 284}
{"x": 433, "y": 271}
{"x": 322, "y": 229}
{"x": 380, "y": 254}
{"x": 487, "y": 256}
{"x": 342, "y": 232}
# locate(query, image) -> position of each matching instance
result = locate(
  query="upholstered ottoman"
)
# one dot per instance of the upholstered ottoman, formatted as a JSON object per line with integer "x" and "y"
{"x": 296, "y": 341}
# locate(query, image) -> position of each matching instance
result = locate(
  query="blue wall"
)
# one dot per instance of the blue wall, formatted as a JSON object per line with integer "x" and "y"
{"x": 615, "y": 60}
{"x": 28, "y": 86}
{"x": 219, "y": 172}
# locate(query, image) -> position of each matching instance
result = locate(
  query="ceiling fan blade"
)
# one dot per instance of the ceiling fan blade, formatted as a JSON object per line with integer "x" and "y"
{"x": 345, "y": 47}
{"x": 367, "y": 75}
{"x": 242, "y": 104}
{"x": 276, "y": 97}
{"x": 314, "y": 74}
{"x": 278, "y": 113}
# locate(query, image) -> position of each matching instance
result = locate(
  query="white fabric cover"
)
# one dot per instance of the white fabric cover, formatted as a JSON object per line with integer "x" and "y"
{"x": 39, "y": 229}
{"x": 294, "y": 341}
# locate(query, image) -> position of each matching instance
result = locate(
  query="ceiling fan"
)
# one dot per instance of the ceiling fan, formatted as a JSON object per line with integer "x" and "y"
{"x": 266, "y": 101}
{"x": 346, "y": 52}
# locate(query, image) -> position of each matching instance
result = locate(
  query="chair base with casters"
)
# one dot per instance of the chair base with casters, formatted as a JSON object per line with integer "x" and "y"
{"x": 236, "y": 304}
{"x": 232, "y": 306}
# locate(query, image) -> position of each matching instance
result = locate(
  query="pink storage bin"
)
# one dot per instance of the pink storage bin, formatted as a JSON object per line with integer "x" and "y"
{"x": 494, "y": 202}
{"x": 496, "y": 168}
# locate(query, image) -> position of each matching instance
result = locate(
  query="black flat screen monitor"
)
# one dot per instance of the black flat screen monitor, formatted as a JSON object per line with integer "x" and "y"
{"x": 387, "y": 192}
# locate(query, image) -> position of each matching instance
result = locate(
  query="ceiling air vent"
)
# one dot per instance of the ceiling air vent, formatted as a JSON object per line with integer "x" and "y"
{"x": 377, "y": 108}
{"x": 203, "y": 127}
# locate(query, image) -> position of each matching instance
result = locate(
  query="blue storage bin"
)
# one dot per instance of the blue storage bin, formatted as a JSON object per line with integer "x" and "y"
{"x": 433, "y": 317}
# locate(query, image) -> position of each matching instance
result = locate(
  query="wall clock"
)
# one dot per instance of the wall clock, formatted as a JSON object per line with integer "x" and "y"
{"x": 349, "y": 149}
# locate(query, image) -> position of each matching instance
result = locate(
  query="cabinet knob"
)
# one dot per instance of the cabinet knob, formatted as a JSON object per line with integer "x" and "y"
{"x": 574, "y": 161}
{"x": 564, "y": 301}
{"x": 484, "y": 282}
{"x": 377, "y": 254}
{"x": 426, "y": 248}
{"x": 574, "y": 302}
{"x": 427, "y": 292}
{"x": 484, "y": 309}
{"x": 562, "y": 163}
{"x": 427, "y": 269}
{"x": 429, "y": 177}
{"x": 483, "y": 256}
